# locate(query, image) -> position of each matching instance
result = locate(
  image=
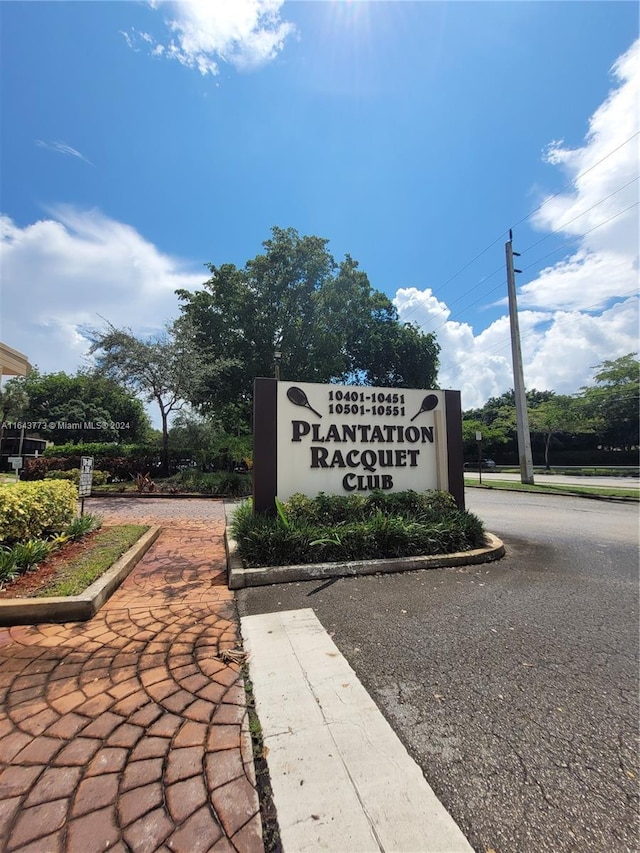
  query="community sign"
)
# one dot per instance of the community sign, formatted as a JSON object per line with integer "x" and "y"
{"x": 342, "y": 439}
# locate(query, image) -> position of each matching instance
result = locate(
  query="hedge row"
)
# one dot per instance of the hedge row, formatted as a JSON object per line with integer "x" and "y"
{"x": 335, "y": 528}
{"x": 116, "y": 467}
{"x": 36, "y": 510}
{"x": 73, "y": 475}
{"x": 102, "y": 449}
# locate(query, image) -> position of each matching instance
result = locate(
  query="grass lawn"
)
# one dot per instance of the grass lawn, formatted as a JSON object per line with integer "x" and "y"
{"x": 70, "y": 569}
{"x": 99, "y": 553}
{"x": 513, "y": 486}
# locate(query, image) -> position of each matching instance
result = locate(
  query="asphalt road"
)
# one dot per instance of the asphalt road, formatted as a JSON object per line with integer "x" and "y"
{"x": 513, "y": 685}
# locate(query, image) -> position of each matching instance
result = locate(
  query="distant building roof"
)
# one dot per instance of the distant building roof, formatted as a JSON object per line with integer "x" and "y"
{"x": 12, "y": 362}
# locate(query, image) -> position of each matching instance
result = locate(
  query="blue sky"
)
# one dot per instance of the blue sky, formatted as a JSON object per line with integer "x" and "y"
{"x": 142, "y": 140}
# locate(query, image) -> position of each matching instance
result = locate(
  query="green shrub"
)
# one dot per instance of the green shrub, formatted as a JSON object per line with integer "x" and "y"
{"x": 70, "y": 475}
{"x": 222, "y": 484}
{"x": 100, "y": 450}
{"x": 8, "y": 568}
{"x": 73, "y": 474}
{"x": 34, "y": 510}
{"x": 37, "y": 469}
{"x": 233, "y": 485}
{"x": 333, "y": 528}
{"x": 29, "y": 554}
{"x": 82, "y": 525}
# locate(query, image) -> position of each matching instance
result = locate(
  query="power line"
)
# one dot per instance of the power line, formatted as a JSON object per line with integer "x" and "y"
{"x": 580, "y": 236}
{"x": 529, "y": 266}
{"x": 524, "y": 218}
{"x": 490, "y": 275}
{"x": 588, "y": 210}
{"x": 577, "y": 178}
{"x": 501, "y": 345}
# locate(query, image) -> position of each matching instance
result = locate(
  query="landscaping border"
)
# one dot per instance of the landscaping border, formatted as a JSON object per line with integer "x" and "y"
{"x": 76, "y": 608}
{"x": 239, "y": 577}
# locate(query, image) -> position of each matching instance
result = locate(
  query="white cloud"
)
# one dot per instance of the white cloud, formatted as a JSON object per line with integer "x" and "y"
{"x": 245, "y": 33}
{"x": 62, "y": 148}
{"x": 604, "y": 188}
{"x": 68, "y": 271}
{"x": 582, "y": 309}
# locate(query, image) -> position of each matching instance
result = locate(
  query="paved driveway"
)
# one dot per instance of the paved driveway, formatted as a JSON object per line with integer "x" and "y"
{"x": 127, "y": 732}
{"x": 514, "y": 685}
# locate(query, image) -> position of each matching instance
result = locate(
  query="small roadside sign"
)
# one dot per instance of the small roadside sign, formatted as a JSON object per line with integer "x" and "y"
{"x": 16, "y": 464}
{"x": 86, "y": 476}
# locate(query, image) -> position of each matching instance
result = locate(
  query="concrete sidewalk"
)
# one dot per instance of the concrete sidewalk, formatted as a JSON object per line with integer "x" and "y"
{"x": 341, "y": 778}
{"x": 127, "y": 732}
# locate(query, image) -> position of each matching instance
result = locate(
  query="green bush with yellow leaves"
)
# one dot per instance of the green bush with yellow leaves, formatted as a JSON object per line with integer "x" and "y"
{"x": 36, "y": 509}
{"x": 73, "y": 475}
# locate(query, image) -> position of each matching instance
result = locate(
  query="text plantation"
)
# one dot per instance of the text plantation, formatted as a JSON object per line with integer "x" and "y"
{"x": 363, "y": 433}
{"x": 369, "y": 460}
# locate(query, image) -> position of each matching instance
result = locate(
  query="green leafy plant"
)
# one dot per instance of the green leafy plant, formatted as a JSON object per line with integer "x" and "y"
{"x": 222, "y": 484}
{"x": 8, "y": 568}
{"x": 332, "y": 528}
{"x": 327, "y": 540}
{"x": 99, "y": 478}
{"x": 81, "y": 526}
{"x": 27, "y": 555}
{"x": 281, "y": 513}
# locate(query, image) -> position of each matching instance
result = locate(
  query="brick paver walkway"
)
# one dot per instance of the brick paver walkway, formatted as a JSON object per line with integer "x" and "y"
{"x": 126, "y": 733}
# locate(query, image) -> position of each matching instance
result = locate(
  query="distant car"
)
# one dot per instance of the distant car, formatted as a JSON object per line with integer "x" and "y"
{"x": 487, "y": 464}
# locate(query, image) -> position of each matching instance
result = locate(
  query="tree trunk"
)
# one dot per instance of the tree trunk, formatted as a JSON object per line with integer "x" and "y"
{"x": 164, "y": 457}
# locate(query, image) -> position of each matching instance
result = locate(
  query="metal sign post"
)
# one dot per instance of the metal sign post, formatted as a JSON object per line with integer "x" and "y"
{"x": 479, "y": 440}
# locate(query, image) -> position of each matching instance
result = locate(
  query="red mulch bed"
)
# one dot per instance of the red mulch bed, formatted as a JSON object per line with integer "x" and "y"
{"x": 27, "y": 585}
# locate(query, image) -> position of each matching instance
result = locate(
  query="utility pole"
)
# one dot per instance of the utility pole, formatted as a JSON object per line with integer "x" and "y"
{"x": 524, "y": 436}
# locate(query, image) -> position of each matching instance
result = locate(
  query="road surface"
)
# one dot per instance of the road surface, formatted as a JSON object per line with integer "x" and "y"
{"x": 514, "y": 685}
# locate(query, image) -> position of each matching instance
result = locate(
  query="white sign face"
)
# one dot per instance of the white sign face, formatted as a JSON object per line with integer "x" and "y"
{"x": 347, "y": 439}
{"x": 86, "y": 476}
{"x": 16, "y": 462}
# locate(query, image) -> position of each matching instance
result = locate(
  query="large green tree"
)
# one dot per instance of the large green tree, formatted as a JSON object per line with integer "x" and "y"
{"x": 13, "y": 401}
{"x": 325, "y": 319}
{"x": 559, "y": 415}
{"x": 165, "y": 370}
{"x": 13, "y": 404}
{"x": 83, "y": 407}
{"x": 496, "y": 420}
{"x": 613, "y": 401}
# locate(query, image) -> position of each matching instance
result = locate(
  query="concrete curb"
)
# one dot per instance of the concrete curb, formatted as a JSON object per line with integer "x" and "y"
{"x": 76, "y": 608}
{"x": 240, "y": 577}
{"x": 341, "y": 778}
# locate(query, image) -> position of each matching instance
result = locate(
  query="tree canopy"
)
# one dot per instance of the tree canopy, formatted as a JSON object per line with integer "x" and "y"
{"x": 601, "y": 417}
{"x": 89, "y": 405}
{"x": 165, "y": 370}
{"x": 613, "y": 400}
{"x": 324, "y": 318}
{"x": 560, "y": 414}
